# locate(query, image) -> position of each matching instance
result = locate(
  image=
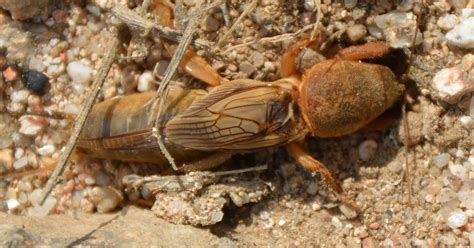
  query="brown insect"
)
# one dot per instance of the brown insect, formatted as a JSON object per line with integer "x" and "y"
{"x": 335, "y": 97}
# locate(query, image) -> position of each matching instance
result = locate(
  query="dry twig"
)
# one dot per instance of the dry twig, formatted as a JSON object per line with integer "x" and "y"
{"x": 81, "y": 118}
{"x": 276, "y": 38}
{"x": 163, "y": 89}
{"x": 318, "y": 18}
{"x": 137, "y": 22}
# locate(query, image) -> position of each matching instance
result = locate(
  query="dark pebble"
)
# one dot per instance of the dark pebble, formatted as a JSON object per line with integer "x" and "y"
{"x": 36, "y": 81}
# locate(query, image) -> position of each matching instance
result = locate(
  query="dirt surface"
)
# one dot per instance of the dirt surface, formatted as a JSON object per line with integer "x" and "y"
{"x": 129, "y": 227}
{"x": 420, "y": 195}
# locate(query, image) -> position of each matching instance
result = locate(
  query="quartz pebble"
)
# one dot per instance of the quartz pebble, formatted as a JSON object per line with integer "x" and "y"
{"x": 145, "y": 81}
{"x": 20, "y": 163}
{"x": 452, "y": 83}
{"x": 398, "y": 28}
{"x": 357, "y": 32}
{"x": 466, "y": 121}
{"x": 367, "y": 150}
{"x": 46, "y": 150}
{"x": 467, "y": 198}
{"x": 32, "y": 125}
{"x": 105, "y": 199}
{"x": 12, "y": 204}
{"x": 441, "y": 160}
{"x": 458, "y": 171}
{"x": 336, "y": 223}
{"x": 79, "y": 72}
{"x": 462, "y": 35}
{"x": 445, "y": 195}
{"x": 45, "y": 209}
{"x": 264, "y": 215}
{"x": 447, "y": 22}
{"x": 457, "y": 219}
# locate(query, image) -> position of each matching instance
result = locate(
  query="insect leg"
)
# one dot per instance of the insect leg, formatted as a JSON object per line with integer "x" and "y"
{"x": 314, "y": 166}
{"x": 366, "y": 51}
{"x": 193, "y": 64}
{"x": 205, "y": 164}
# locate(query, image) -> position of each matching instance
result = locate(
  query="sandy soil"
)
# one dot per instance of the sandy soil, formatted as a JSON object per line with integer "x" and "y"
{"x": 290, "y": 207}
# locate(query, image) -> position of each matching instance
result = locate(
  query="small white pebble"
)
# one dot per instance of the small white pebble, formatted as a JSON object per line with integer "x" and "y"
{"x": 316, "y": 206}
{"x": 457, "y": 219}
{"x": 145, "y": 81}
{"x": 20, "y": 96}
{"x": 12, "y": 204}
{"x": 32, "y": 125}
{"x": 19, "y": 152}
{"x": 281, "y": 222}
{"x": 447, "y": 22}
{"x": 459, "y": 153}
{"x": 336, "y": 223}
{"x": 367, "y": 150}
{"x": 466, "y": 121}
{"x": 445, "y": 195}
{"x": 441, "y": 160}
{"x": 462, "y": 35}
{"x": 20, "y": 163}
{"x": 458, "y": 171}
{"x": 264, "y": 215}
{"x": 79, "y": 72}
{"x": 467, "y": 198}
{"x": 106, "y": 199}
{"x": 450, "y": 84}
{"x": 45, "y": 209}
{"x": 217, "y": 216}
{"x": 46, "y": 150}
{"x": 466, "y": 13}
{"x": 34, "y": 197}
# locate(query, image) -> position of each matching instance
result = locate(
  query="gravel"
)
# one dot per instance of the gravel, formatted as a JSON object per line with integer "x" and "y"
{"x": 462, "y": 35}
{"x": 67, "y": 49}
{"x": 36, "y": 81}
{"x": 357, "y": 32}
{"x": 79, "y": 72}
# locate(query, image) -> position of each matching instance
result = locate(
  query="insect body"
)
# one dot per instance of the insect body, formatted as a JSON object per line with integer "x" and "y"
{"x": 202, "y": 129}
{"x": 335, "y": 97}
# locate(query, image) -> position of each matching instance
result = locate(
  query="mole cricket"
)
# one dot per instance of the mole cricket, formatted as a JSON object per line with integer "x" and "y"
{"x": 202, "y": 129}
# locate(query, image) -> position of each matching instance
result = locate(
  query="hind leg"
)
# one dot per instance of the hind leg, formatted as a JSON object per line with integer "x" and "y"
{"x": 193, "y": 64}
